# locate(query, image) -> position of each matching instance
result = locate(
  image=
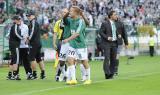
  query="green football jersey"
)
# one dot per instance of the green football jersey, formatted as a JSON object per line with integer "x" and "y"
{"x": 77, "y": 26}
{"x": 66, "y": 31}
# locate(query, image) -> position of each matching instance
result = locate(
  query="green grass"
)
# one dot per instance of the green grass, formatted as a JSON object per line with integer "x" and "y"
{"x": 141, "y": 77}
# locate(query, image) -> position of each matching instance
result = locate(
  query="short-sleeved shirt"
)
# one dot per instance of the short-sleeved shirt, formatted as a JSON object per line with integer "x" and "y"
{"x": 62, "y": 30}
{"x": 77, "y": 26}
{"x": 57, "y": 29}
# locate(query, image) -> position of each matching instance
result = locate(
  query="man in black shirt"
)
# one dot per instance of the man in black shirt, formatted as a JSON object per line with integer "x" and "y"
{"x": 35, "y": 45}
{"x": 14, "y": 43}
{"x": 10, "y": 73}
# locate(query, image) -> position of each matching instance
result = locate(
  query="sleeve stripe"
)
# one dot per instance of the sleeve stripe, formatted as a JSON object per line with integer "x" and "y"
{"x": 80, "y": 26}
{"x": 32, "y": 30}
{"x": 19, "y": 36}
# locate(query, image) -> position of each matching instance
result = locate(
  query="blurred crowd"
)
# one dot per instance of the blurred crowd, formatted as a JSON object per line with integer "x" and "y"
{"x": 131, "y": 12}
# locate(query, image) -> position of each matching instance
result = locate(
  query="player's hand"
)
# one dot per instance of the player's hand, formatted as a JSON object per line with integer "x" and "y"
{"x": 81, "y": 13}
{"x": 45, "y": 36}
{"x": 26, "y": 41}
{"x": 65, "y": 41}
{"x": 109, "y": 38}
{"x": 119, "y": 36}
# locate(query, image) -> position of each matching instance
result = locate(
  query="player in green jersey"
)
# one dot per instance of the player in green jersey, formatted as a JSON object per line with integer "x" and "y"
{"x": 77, "y": 44}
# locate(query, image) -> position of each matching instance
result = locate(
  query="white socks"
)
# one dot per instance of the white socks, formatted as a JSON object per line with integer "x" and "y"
{"x": 88, "y": 74}
{"x": 68, "y": 74}
{"x": 83, "y": 72}
{"x": 72, "y": 72}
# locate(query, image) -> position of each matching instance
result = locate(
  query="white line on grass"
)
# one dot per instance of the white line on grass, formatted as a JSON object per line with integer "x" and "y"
{"x": 69, "y": 86}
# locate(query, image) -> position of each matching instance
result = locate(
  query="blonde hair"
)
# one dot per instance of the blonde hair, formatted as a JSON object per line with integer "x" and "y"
{"x": 77, "y": 9}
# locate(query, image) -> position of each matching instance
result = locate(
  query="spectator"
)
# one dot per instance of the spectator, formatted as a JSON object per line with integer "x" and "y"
{"x": 2, "y": 4}
{"x": 19, "y": 6}
{"x": 3, "y": 16}
{"x": 151, "y": 46}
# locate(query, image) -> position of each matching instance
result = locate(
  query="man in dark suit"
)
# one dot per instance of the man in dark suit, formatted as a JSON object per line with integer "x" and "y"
{"x": 110, "y": 37}
{"x": 124, "y": 38}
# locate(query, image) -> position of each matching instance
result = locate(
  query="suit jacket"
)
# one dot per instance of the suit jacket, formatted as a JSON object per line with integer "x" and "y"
{"x": 106, "y": 31}
{"x": 122, "y": 32}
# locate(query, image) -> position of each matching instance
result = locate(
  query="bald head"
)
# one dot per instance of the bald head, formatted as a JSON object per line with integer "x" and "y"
{"x": 64, "y": 11}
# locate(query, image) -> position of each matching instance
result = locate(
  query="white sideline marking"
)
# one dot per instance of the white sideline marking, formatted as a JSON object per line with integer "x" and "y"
{"x": 69, "y": 86}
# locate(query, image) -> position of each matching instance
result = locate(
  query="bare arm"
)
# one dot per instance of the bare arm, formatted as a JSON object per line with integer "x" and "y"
{"x": 76, "y": 34}
{"x": 54, "y": 40}
{"x": 85, "y": 18}
{"x": 55, "y": 30}
{"x": 71, "y": 37}
{"x": 65, "y": 18}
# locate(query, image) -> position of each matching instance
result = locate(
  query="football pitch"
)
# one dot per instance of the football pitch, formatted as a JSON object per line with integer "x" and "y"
{"x": 140, "y": 77}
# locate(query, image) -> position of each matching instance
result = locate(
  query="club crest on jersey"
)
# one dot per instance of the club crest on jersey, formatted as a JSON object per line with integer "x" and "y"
{"x": 73, "y": 31}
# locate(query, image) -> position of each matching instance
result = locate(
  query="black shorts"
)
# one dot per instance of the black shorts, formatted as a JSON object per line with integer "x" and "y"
{"x": 35, "y": 54}
{"x": 14, "y": 55}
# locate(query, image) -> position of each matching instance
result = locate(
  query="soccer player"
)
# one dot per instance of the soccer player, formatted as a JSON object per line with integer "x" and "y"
{"x": 63, "y": 32}
{"x": 57, "y": 40}
{"x": 77, "y": 45}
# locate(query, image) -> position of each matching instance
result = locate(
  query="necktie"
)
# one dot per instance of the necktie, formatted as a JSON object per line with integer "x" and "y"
{"x": 114, "y": 37}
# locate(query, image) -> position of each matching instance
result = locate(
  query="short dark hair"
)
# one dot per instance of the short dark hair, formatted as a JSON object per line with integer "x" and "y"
{"x": 111, "y": 13}
{"x": 30, "y": 13}
{"x": 16, "y": 17}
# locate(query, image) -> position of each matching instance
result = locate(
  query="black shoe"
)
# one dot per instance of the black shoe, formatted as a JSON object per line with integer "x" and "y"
{"x": 34, "y": 77}
{"x": 15, "y": 78}
{"x": 106, "y": 76}
{"x": 57, "y": 78}
{"x": 65, "y": 79}
{"x": 42, "y": 76}
{"x": 18, "y": 78}
{"x": 110, "y": 76}
{"x": 30, "y": 77}
{"x": 9, "y": 77}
